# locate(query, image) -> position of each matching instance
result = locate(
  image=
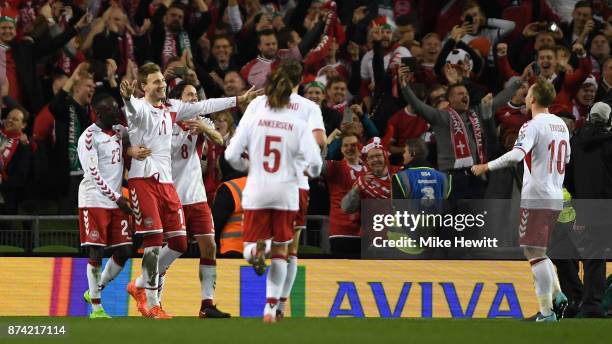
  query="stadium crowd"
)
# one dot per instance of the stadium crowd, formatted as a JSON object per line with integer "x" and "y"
{"x": 386, "y": 74}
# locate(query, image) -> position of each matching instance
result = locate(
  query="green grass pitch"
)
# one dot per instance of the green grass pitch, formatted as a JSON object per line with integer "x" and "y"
{"x": 311, "y": 330}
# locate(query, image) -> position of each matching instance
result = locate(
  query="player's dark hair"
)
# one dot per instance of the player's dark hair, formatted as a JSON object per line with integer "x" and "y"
{"x": 177, "y": 91}
{"x": 145, "y": 70}
{"x": 281, "y": 82}
{"x": 99, "y": 97}
{"x": 544, "y": 93}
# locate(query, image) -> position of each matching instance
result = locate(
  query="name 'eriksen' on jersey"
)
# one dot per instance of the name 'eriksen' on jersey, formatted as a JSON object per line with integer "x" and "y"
{"x": 275, "y": 124}
{"x": 557, "y": 127}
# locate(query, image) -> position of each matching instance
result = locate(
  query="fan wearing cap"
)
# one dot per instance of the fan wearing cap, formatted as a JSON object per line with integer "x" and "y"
{"x": 589, "y": 176}
{"x": 585, "y": 97}
{"x": 376, "y": 182}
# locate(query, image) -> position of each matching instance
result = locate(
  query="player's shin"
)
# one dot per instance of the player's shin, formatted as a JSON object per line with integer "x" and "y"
{"x": 150, "y": 274}
{"x": 168, "y": 254}
{"x": 292, "y": 263}
{"x": 93, "y": 275}
{"x": 114, "y": 265}
{"x": 275, "y": 279}
{"x": 93, "y": 279}
{"x": 543, "y": 284}
{"x": 207, "y": 269}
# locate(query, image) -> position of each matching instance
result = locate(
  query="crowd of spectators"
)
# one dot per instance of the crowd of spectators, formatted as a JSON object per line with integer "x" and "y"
{"x": 382, "y": 71}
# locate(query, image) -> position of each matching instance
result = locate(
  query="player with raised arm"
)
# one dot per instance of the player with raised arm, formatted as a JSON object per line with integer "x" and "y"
{"x": 543, "y": 143}
{"x": 103, "y": 212}
{"x": 280, "y": 148}
{"x": 188, "y": 140}
{"x": 157, "y": 209}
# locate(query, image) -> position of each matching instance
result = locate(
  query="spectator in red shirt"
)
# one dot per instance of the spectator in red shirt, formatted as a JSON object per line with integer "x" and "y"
{"x": 404, "y": 125}
{"x": 513, "y": 115}
{"x": 344, "y": 229}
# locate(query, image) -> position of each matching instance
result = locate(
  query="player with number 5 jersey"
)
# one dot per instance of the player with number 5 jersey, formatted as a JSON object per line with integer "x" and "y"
{"x": 280, "y": 148}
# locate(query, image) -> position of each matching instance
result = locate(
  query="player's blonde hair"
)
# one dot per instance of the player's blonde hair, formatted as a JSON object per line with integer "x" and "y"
{"x": 281, "y": 82}
{"x": 145, "y": 70}
{"x": 544, "y": 93}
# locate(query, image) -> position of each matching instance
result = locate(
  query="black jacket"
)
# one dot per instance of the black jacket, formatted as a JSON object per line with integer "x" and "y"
{"x": 589, "y": 174}
{"x": 18, "y": 170}
{"x": 53, "y": 165}
{"x": 27, "y": 54}
{"x": 590, "y": 167}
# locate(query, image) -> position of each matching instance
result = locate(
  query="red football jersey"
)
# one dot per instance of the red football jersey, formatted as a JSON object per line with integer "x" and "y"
{"x": 340, "y": 177}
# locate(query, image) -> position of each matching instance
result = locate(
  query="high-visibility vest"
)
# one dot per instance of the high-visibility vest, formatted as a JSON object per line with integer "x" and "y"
{"x": 568, "y": 214}
{"x": 231, "y": 236}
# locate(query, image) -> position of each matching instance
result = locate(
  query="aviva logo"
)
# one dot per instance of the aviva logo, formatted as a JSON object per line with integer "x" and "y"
{"x": 348, "y": 301}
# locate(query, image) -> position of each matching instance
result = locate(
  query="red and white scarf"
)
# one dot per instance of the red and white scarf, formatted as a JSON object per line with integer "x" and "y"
{"x": 173, "y": 46}
{"x": 8, "y": 146}
{"x": 126, "y": 49}
{"x": 459, "y": 139}
{"x": 376, "y": 187}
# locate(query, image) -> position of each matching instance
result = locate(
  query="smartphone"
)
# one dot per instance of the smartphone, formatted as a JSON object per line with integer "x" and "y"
{"x": 347, "y": 117}
{"x": 411, "y": 62}
{"x": 469, "y": 19}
